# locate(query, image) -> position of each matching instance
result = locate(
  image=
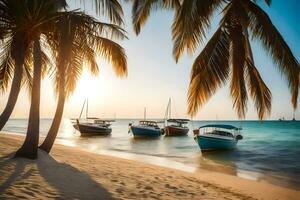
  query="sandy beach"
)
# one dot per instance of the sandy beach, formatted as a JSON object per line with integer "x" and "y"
{"x": 70, "y": 173}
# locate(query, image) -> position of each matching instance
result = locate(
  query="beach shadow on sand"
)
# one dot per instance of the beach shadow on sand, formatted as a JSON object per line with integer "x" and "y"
{"x": 29, "y": 177}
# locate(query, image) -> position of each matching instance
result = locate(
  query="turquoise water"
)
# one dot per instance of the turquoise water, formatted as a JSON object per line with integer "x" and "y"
{"x": 269, "y": 151}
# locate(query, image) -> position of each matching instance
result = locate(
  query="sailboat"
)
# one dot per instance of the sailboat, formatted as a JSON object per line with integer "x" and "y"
{"x": 175, "y": 127}
{"x": 92, "y": 126}
{"x": 146, "y": 128}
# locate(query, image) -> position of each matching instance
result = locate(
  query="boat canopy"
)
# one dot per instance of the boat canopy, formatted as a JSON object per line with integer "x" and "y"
{"x": 150, "y": 121}
{"x": 224, "y": 126}
{"x": 180, "y": 121}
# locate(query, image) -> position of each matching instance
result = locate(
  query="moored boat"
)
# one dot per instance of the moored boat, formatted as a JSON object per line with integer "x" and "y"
{"x": 177, "y": 127}
{"x": 174, "y": 127}
{"x": 97, "y": 127}
{"x": 217, "y": 137}
{"x": 146, "y": 128}
{"x": 92, "y": 126}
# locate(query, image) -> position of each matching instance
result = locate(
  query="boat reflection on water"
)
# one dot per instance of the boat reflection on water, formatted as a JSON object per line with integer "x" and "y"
{"x": 220, "y": 162}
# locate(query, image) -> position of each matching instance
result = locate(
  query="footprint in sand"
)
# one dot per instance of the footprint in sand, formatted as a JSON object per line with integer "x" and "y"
{"x": 170, "y": 186}
{"x": 148, "y": 187}
{"x": 122, "y": 183}
{"x": 119, "y": 190}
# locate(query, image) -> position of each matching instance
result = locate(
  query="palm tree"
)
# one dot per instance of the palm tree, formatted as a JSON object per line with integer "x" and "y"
{"x": 79, "y": 39}
{"x": 227, "y": 55}
{"x": 15, "y": 41}
{"x": 36, "y": 14}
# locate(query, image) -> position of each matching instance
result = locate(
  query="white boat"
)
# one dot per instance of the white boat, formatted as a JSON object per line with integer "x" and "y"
{"x": 217, "y": 137}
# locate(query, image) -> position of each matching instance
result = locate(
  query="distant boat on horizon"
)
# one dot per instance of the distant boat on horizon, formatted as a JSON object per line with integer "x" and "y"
{"x": 177, "y": 126}
{"x": 217, "y": 137}
{"x": 92, "y": 126}
{"x": 294, "y": 119}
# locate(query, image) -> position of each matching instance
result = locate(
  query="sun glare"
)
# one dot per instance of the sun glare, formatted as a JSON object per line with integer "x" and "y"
{"x": 91, "y": 87}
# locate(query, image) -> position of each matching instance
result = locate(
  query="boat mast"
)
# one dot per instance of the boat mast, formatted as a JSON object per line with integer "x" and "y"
{"x": 87, "y": 108}
{"x": 82, "y": 109}
{"x": 144, "y": 113}
{"x": 170, "y": 108}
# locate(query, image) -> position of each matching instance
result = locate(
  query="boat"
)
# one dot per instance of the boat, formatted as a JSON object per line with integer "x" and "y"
{"x": 174, "y": 127}
{"x": 146, "y": 128}
{"x": 92, "y": 126}
{"x": 281, "y": 119}
{"x": 217, "y": 137}
{"x": 177, "y": 127}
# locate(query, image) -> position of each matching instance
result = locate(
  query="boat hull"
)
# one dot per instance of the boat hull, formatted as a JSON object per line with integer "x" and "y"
{"x": 211, "y": 143}
{"x": 145, "y": 132}
{"x": 176, "y": 131}
{"x": 86, "y": 130}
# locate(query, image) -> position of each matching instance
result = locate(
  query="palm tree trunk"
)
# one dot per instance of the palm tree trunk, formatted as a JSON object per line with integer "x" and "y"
{"x": 19, "y": 47}
{"x": 30, "y": 145}
{"x": 50, "y": 138}
{"x": 14, "y": 93}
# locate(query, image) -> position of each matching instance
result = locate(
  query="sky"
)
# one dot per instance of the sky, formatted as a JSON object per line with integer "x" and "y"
{"x": 154, "y": 77}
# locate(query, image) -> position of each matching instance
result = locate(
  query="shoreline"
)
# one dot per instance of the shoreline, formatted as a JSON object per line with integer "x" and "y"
{"x": 130, "y": 176}
{"x": 206, "y": 165}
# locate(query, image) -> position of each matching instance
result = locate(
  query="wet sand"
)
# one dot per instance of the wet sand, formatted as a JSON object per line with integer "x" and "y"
{"x": 70, "y": 173}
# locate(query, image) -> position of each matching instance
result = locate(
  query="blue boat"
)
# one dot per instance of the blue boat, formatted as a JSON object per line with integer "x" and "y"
{"x": 217, "y": 137}
{"x": 146, "y": 128}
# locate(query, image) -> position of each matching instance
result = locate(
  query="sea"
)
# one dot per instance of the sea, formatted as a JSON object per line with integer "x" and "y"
{"x": 269, "y": 151}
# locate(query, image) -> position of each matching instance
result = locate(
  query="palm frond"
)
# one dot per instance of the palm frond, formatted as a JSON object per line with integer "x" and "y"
{"x": 74, "y": 72}
{"x": 90, "y": 59}
{"x": 110, "y": 8}
{"x": 141, "y": 10}
{"x": 112, "y": 52}
{"x": 238, "y": 89}
{"x": 209, "y": 72}
{"x": 107, "y": 30}
{"x": 6, "y": 71}
{"x": 262, "y": 28}
{"x": 259, "y": 91}
{"x": 191, "y": 23}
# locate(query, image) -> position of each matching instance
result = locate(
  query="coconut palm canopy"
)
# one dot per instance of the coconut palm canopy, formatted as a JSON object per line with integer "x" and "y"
{"x": 31, "y": 27}
{"x": 227, "y": 56}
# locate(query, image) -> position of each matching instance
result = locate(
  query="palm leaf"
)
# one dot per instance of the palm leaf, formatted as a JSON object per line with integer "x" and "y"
{"x": 237, "y": 59}
{"x": 6, "y": 71}
{"x": 262, "y": 28}
{"x": 259, "y": 91}
{"x": 209, "y": 72}
{"x": 191, "y": 23}
{"x": 74, "y": 71}
{"x": 113, "y": 53}
{"x": 110, "y": 8}
{"x": 141, "y": 10}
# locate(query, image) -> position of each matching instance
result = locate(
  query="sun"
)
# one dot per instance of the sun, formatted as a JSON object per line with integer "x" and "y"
{"x": 91, "y": 87}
